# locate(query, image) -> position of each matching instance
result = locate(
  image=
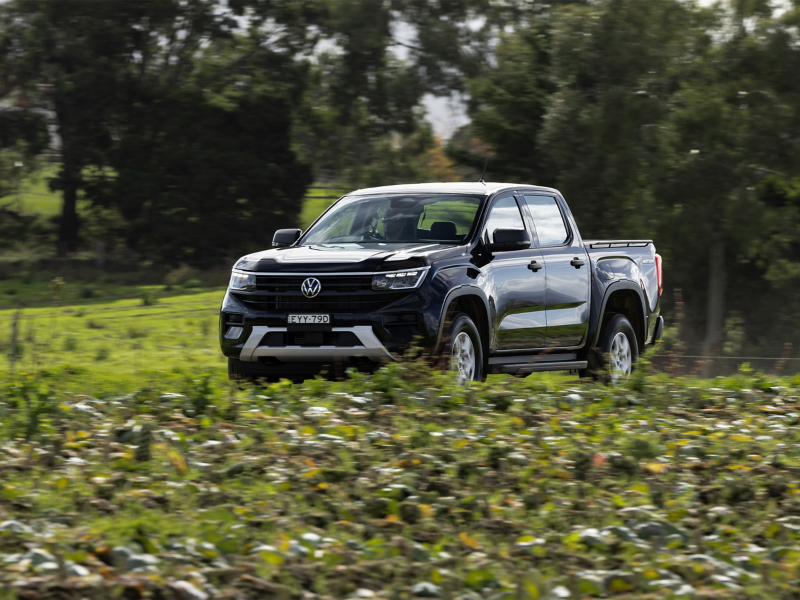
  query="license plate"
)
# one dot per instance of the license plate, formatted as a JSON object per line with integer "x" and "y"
{"x": 308, "y": 319}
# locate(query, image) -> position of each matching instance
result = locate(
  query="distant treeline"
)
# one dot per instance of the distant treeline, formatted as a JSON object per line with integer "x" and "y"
{"x": 191, "y": 129}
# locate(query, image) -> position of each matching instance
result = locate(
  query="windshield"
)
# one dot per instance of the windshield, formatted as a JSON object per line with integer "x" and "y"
{"x": 397, "y": 218}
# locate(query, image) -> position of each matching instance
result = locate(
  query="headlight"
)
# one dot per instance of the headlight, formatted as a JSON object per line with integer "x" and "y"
{"x": 401, "y": 280}
{"x": 243, "y": 281}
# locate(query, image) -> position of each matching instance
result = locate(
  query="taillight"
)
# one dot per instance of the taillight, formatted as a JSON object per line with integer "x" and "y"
{"x": 660, "y": 273}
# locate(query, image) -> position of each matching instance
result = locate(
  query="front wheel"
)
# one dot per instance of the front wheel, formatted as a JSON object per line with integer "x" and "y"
{"x": 463, "y": 349}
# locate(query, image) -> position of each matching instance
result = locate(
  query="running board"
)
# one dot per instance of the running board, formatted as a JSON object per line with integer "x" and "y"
{"x": 517, "y": 368}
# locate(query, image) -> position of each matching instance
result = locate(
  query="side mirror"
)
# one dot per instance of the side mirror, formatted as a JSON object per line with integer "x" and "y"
{"x": 506, "y": 240}
{"x": 285, "y": 237}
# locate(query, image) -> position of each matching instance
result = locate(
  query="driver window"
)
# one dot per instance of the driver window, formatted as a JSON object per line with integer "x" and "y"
{"x": 504, "y": 215}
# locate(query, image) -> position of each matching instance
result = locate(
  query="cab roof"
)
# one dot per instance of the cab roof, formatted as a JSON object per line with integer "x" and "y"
{"x": 467, "y": 187}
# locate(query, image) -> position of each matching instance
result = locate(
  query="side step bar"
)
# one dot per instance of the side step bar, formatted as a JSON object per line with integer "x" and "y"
{"x": 514, "y": 366}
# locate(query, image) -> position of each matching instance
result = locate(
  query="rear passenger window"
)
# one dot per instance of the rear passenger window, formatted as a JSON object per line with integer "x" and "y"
{"x": 550, "y": 227}
{"x": 504, "y": 215}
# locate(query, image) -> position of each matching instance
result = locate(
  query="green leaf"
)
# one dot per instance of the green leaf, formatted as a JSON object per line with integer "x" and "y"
{"x": 220, "y": 514}
{"x": 229, "y": 545}
{"x": 272, "y": 558}
{"x": 477, "y": 579}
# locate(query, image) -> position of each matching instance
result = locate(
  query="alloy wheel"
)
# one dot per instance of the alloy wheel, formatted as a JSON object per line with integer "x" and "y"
{"x": 462, "y": 359}
{"x": 620, "y": 360}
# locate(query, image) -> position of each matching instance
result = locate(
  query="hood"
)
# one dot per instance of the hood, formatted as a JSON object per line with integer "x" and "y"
{"x": 334, "y": 258}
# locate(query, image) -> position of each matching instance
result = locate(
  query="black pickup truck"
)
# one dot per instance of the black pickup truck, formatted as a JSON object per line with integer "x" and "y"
{"x": 485, "y": 277}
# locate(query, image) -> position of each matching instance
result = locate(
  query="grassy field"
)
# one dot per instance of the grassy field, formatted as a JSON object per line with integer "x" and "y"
{"x": 35, "y": 194}
{"x": 317, "y": 199}
{"x": 37, "y": 199}
{"x": 130, "y": 467}
{"x": 119, "y": 341}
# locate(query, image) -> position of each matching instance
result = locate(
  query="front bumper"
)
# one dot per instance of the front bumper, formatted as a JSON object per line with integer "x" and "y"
{"x": 355, "y": 337}
{"x": 370, "y": 347}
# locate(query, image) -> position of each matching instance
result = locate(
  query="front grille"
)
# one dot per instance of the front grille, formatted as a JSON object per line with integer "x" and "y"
{"x": 330, "y": 283}
{"x": 339, "y": 293}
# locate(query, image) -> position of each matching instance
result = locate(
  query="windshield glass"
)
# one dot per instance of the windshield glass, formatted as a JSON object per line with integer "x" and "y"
{"x": 397, "y": 218}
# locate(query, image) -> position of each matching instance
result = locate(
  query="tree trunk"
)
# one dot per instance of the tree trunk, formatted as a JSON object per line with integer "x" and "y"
{"x": 715, "y": 310}
{"x": 68, "y": 230}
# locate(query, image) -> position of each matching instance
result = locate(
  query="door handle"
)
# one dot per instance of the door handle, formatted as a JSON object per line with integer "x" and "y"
{"x": 534, "y": 266}
{"x": 577, "y": 262}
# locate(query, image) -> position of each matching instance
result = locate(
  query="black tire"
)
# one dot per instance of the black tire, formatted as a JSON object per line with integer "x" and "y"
{"x": 598, "y": 357}
{"x": 460, "y": 323}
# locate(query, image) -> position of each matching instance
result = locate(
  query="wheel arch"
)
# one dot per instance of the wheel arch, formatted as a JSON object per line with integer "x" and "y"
{"x": 626, "y": 298}
{"x": 471, "y": 301}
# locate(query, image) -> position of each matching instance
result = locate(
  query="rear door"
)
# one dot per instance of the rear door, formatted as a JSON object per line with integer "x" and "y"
{"x": 567, "y": 267}
{"x": 516, "y": 288}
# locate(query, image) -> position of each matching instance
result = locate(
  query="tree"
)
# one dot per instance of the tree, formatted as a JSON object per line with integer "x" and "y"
{"x": 658, "y": 118}
{"x": 114, "y": 71}
{"x": 733, "y": 131}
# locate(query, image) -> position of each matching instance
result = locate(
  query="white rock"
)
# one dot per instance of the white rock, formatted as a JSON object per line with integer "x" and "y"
{"x": 15, "y": 527}
{"x": 47, "y": 567}
{"x": 39, "y": 556}
{"x": 189, "y": 591}
{"x": 316, "y": 412}
{"x": 77, "y": 571}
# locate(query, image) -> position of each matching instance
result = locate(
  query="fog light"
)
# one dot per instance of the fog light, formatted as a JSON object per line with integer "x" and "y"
{"x": 234, "y": 333}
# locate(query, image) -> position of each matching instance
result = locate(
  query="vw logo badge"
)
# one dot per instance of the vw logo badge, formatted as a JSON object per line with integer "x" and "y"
{"x": 311, "y": 287}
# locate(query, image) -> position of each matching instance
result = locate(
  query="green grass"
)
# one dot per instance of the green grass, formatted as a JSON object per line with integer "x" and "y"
{"x": 37, "y": 199}
{"x": 118, "y": 342}
{"x": 317, "y": 200}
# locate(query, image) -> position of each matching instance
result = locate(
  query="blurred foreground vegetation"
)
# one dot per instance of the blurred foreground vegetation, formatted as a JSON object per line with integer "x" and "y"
{"x": 130, "y": 467}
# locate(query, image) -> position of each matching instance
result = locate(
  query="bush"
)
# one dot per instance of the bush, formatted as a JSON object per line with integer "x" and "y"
{"x": 182, "y": 276}
{"x": 134, "y": 333}
{"x": 149, "y": 298}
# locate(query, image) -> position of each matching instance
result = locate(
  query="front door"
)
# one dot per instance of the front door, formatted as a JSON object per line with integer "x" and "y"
{"x": 516, "y": 287}
{"x": 567, "y": 264}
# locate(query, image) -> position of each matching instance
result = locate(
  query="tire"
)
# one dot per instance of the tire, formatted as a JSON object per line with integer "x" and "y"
{"x": 463, "y": 349}
{"x": 617, "y": 352}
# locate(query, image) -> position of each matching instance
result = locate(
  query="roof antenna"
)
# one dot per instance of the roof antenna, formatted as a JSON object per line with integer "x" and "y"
{"x": 485, "y": 164}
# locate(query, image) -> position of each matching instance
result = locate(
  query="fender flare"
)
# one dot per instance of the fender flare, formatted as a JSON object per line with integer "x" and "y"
{"x": 461, "y": 290}
{"x": 624, "y": 284}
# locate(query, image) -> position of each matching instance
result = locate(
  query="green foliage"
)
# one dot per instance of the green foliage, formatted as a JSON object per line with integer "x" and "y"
{"x": 149, "y": 298}
{"x": 603, "y": 496}
{"x": 665, "y": 120}
{"x": 30, "y": 407}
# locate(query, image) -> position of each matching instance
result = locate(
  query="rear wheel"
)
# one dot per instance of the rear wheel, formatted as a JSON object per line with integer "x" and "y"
{"x": 616, "y": 355}
{"x": 463, "y": 349}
